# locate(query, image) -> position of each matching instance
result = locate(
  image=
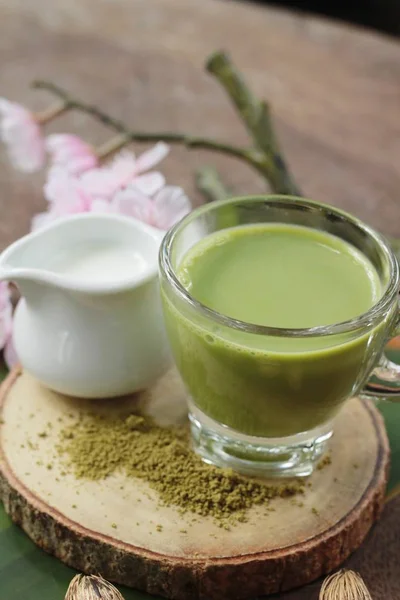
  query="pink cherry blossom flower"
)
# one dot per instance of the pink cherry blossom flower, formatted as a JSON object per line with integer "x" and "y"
{"x": 22, "y": 136}
{"x": 118, "y": 188}
{"x": 71, "y": 153}
{"x": 167, "y": 207}
{"x": 126, "y": 169}
{"x": 65, "y": 195}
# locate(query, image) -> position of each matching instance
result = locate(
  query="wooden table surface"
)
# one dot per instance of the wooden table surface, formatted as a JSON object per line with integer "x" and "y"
{"x": 335, "y": 91}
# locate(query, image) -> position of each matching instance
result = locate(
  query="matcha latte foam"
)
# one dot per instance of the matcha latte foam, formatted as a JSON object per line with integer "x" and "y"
{"x": 281, "y": 276}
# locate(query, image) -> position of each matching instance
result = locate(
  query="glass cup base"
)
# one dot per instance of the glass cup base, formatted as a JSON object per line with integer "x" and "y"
{"x": 294, "y": 456}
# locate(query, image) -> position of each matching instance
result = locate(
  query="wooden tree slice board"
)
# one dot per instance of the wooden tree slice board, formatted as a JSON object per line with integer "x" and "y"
{"x": 111, "y": 526}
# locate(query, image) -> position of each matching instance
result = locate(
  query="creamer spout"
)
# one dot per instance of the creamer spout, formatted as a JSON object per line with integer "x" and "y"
{"x": 21, "y": 261}
{"x": 89, "y": 253}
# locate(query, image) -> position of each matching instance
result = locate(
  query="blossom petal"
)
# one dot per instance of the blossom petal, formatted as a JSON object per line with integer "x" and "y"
{"x": 99, "y": 205}
{"x": 123, "y": 167}
{"x": 56, "y": 189}
{"x": 81, "y": 164}
{"x": 71, "y": 152}
{"x": 64, "y": 145}
{"x": 132, "y": 203}
{"x": 101, "y": 182}
{"x": 66, "y": 193}
{"x": 22, "y": 136}
{"x": 124, "y": 170}
{"x": 151, "y": 157}
{"x": 150, "y": 183}
{"x": 170, "y": 205}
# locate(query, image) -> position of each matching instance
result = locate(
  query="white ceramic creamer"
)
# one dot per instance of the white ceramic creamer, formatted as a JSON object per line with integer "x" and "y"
{"x": 89, "y": 322}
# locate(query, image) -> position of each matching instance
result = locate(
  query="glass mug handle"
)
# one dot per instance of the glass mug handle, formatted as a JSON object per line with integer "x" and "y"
{"x": 384, "y": 381}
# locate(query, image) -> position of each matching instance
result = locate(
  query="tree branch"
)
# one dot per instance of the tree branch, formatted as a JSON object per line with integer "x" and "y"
{"x": 256, "y": 116}
{"x": 211, "y": 185}
{"x": 266, "y": 156}
{"x": 72, "y": 103}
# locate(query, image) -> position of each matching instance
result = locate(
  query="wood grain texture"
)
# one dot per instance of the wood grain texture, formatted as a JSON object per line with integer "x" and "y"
{"x": 335, "y": 91}
{"x": 377, "y": 560}
{"x": 128, "y": 538}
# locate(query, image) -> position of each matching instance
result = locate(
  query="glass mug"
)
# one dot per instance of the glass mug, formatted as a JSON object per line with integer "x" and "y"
{"x": 271, "y": 413}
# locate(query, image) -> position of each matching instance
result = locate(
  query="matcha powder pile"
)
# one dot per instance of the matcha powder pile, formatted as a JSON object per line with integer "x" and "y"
{"x": 97, "y": 446}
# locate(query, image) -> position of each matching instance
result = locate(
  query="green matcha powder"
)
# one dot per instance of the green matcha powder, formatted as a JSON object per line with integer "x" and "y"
{"x": 97, "y": 446}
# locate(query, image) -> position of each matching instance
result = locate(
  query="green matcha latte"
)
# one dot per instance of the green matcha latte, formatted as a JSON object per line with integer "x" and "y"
{"x": 279, "y": 276}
